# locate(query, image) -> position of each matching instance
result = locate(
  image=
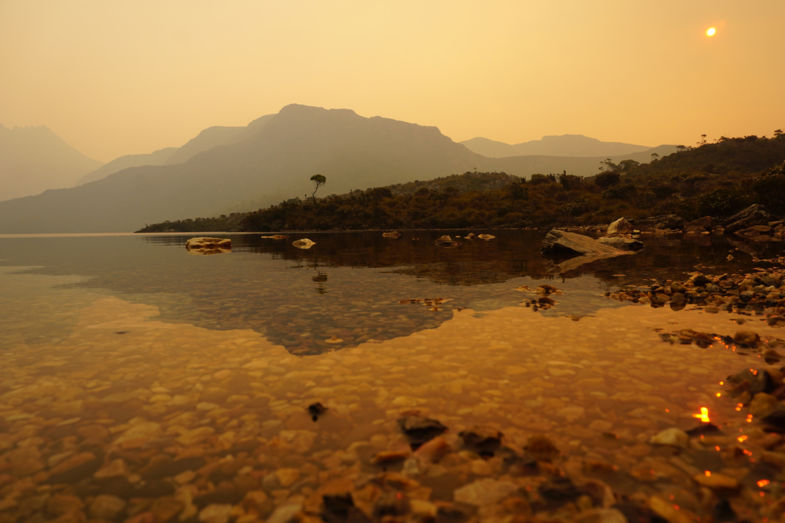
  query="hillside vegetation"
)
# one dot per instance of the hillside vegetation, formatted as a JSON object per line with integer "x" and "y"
{"x": 715, "y": 179}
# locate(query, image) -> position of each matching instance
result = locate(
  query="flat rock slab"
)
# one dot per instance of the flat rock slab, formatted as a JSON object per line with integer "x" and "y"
{"x": 583, "y": 249}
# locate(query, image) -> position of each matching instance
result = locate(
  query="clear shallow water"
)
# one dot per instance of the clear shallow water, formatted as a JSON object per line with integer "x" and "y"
{"x": 131, "y": 368}
{"x": 349, "y": 287}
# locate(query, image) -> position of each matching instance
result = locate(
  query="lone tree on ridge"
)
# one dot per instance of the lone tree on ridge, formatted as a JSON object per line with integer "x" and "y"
{"x": 318, "y": 179}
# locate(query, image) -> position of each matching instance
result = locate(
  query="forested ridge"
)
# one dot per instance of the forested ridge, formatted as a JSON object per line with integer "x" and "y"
{"x": 715, "y": 179}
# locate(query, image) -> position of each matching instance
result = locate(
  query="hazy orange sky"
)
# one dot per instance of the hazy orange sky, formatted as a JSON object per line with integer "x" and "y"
{"x": 121, "y": 77}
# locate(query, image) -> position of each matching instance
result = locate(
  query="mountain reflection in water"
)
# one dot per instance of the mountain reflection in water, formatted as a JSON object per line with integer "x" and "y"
{"x": 349, "y": 288}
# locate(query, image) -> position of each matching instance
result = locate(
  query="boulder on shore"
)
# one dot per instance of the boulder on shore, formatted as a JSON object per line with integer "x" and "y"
{"x": 755, "y": 214}
{"x": 620, "y": 226}
{"x": 208, "y": 245}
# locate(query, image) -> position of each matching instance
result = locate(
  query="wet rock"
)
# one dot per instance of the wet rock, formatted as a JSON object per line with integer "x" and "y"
{"x": 287, "y": 476}
{"x": 775, "y": 420}
{"x": 433, "y": 450}
{"x": 387, "y": 457}
{"x": 486, "y": 237}
{"x": 484, "y": 492}
{"x": 419, "y": 429}
{"x": 208, "y": 245}
{"x": 755, "y": 214}
{"x": 558, "y": 241}
{"x": 215, "y": 514}
{"x": 482, "y": 440}
{"x": 762, "y": 404}
{"x": 285, "y": 513}
{"x": 751, "y": 381}
{"x": 699, "y": 280}
{"x": 673, "y": 437}
{"x": 166, "y": 509}
{"x": 716, "y": 481}
{"x": 678, "y": 301}
{"x": 746, "y": 339}
{"x": 619, "y": 226}
{"x": 557, "y": 491}
{"x": 60, "y": 504}
{"x": 303, "y": 243}
{"x": 316, "y": 410}
{"x": 620, "y": 242}
{"x": 75, "y": 468}
{"x": 541, "y": 448}
{"x": 771, "y": 356}
{"x": 600, "y": 515}
{"x": 106, "y": 507}
{"x": 445, "y": 241}
{"x": 392, "y": 235}
{"x": 704, "y": 429}
{"x": 390, "y": 504}
{"x": 578, "y": 248}
{"x": 338, "y": 508}
{"x": 671, "y": 513}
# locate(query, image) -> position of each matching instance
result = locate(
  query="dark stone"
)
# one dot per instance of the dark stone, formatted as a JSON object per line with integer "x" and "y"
{"x": 774, "y": 421}
{"x": 449, "y": 513}
{"x": 751, "y": 380}
{"x": 339, "y": 508}
{"x": 700, "y": 280}
{"x": 558, "y": 491}
{"x": 541, "y": 448}
{"x": 755, "y": 214}
{"x": 390, "y": 504}
{"x": 678, "y": 301}
{"x": 704, "y": 429}
{"x": 723, "y": 511}
{"x": 483, "y": 441}
{"x": 420, "y": 429}
{"x": 316, "y": 410}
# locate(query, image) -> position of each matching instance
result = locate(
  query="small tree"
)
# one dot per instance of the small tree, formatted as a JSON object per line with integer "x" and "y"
{"x": 318, "y": 179}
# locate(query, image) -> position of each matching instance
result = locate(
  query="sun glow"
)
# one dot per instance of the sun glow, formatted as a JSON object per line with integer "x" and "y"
{"x": 711, "y": 31}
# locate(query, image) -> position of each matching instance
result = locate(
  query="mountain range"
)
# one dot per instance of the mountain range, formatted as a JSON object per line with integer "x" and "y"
{"x": 227, "y": 169}
{"x": 564, "y": 145}
{"x": 33, "y": 159}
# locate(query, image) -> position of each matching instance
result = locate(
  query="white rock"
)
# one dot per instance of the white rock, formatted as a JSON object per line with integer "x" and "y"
{"x": 672, "y": 436}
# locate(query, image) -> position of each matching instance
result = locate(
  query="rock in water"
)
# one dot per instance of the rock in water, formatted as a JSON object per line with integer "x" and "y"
{"x": 583, "y": 249}
{"x": 672, "y": 437}
{"x": 393, "y": 235}
{"x": 445, "y": 241}
{"x": 484, "y": 492}
{"x": 486, "y": 237}
{"x": 316, "y": 410}
{"x": 620, "y": 242}
{"x": 208, "y": 245}
{"x": 304, "y": 243}
{"x": 620, "y": 226}
{"x": 420, "y": 429}
{"x": 482, "y": 440}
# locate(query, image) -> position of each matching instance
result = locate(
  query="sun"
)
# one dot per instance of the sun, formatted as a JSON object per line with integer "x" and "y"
{"x": 711, "y": 31}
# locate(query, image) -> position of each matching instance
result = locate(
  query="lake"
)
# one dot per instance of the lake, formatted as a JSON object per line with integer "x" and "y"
{"x": 142, "y": 381}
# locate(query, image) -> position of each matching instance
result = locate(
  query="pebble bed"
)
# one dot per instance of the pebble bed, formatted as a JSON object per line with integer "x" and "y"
{"x": 503, "y": 415}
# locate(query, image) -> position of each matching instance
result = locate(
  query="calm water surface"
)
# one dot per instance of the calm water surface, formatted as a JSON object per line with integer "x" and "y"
{"x": 133, "y": 368}
{"x": 348, "y": 287}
